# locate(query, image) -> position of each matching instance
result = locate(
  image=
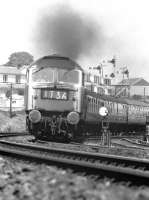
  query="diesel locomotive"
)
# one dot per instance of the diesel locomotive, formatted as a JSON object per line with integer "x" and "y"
{"x": 59, "y": 107}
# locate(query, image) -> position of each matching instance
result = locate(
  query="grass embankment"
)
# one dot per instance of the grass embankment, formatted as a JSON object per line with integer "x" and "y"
{"x": 13, "y": 124}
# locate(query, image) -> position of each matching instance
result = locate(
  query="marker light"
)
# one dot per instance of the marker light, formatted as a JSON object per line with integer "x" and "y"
{"x": 103, "y": 111}
{"x": 35, "y": 116}
{"x": 73, "y": 118}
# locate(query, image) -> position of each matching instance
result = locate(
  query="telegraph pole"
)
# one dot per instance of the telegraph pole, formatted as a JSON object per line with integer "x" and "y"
{"x": 11, "y": 100}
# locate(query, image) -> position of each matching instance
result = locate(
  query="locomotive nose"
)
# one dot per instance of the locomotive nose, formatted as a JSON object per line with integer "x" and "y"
{"x": 73, "y": 118}
{"x": 35, "y": 116}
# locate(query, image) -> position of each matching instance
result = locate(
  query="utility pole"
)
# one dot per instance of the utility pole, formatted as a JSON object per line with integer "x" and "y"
{"x": 11, "y": 100}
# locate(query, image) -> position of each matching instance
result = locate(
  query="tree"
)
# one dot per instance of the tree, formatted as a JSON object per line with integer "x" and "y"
{"x": 19, "y": 59}
{"x": 8, "y": 93}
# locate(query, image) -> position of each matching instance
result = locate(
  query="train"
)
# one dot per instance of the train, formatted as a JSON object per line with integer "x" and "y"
{"x": 59, "y": 106}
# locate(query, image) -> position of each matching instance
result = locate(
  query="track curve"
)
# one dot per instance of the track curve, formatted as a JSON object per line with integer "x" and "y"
{"x": 119, "y": 167}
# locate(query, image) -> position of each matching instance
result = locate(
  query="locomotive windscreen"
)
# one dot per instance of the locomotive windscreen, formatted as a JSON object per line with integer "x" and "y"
{"x": 68, "y": 76}
{"x": 43, "y": 75}
{"x": 54, "y": 74}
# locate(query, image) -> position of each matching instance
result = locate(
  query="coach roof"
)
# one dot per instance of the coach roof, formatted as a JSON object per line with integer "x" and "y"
{"x": 116, "y": 99}
{"x": 56, "y": 61}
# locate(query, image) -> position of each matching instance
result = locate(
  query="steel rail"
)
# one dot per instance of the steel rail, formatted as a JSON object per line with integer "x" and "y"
{"x": 6, "y": 134}
{"x": 123, "y": 168}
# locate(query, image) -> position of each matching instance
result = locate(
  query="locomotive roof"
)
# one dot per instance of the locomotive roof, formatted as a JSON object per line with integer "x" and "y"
{"x": 117, "y": 99}
{"x": 56, "y": 61}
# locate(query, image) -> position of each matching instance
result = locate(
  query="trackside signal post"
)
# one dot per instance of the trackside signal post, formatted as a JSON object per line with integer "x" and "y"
{"x": 105, "y": 139}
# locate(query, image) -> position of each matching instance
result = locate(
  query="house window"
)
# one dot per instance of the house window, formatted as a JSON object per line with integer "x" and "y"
{"x": 18, "y": 78}
{"x": 107, "y": 81}
{"x": 96, "y": 79}
{"x": 5, "y": 78}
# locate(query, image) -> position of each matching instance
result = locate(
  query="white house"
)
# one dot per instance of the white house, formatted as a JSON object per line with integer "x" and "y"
{"x": 133, "y": 87}
{"x": 10, "y": 74}
{"x": 11, "y": 79}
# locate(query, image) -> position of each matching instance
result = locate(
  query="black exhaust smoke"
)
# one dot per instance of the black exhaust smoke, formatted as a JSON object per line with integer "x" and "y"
{"x": 64, "y": 31}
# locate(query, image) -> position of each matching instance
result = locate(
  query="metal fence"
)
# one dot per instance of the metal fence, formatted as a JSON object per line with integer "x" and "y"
{"x": 11, "y": 97}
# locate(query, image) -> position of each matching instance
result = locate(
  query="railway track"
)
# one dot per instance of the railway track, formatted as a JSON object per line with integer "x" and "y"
{"x": 120, "y": 168}
{"x": 7, "y": 134}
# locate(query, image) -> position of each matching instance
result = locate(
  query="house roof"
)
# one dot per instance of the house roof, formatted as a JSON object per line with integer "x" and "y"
{"x": 10, "y": 70}
{"x": 134, "y": 82}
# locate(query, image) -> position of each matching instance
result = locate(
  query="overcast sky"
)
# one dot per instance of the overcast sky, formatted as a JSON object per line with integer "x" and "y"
{"x": 122, "y": 27}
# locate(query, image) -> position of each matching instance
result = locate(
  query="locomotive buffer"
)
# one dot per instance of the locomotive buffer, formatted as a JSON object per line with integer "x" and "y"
{"x": 105, "y": 139}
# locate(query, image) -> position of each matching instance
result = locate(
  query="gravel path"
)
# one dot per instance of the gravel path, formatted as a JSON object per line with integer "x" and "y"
{"x": 21, "y": 180}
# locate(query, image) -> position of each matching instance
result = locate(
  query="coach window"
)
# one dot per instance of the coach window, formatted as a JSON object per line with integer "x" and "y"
{"x": 102, "y": 103}
{"x": 93, "y": 105}
{"x": 90, "y": 103}
{"x": 135, "y": 109}
{"x": 99, "y": 104}
{"x": 96, "y": 105}
{"x": 143, "y": 111}
{"x": 147, "y": 111}
{"x": 113, "y": 107}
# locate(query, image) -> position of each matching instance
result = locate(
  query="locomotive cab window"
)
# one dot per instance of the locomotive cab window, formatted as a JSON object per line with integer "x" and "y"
{"x": 68, "y": 76}
{"x": 43, "y": 75}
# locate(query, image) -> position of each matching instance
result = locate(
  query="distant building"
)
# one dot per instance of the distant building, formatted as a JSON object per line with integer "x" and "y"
{"x": 12, "y": 80}
{"x": 133, "y": 87}
{"x": 10, "y": 74}
{"x": 93, "y": 82}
